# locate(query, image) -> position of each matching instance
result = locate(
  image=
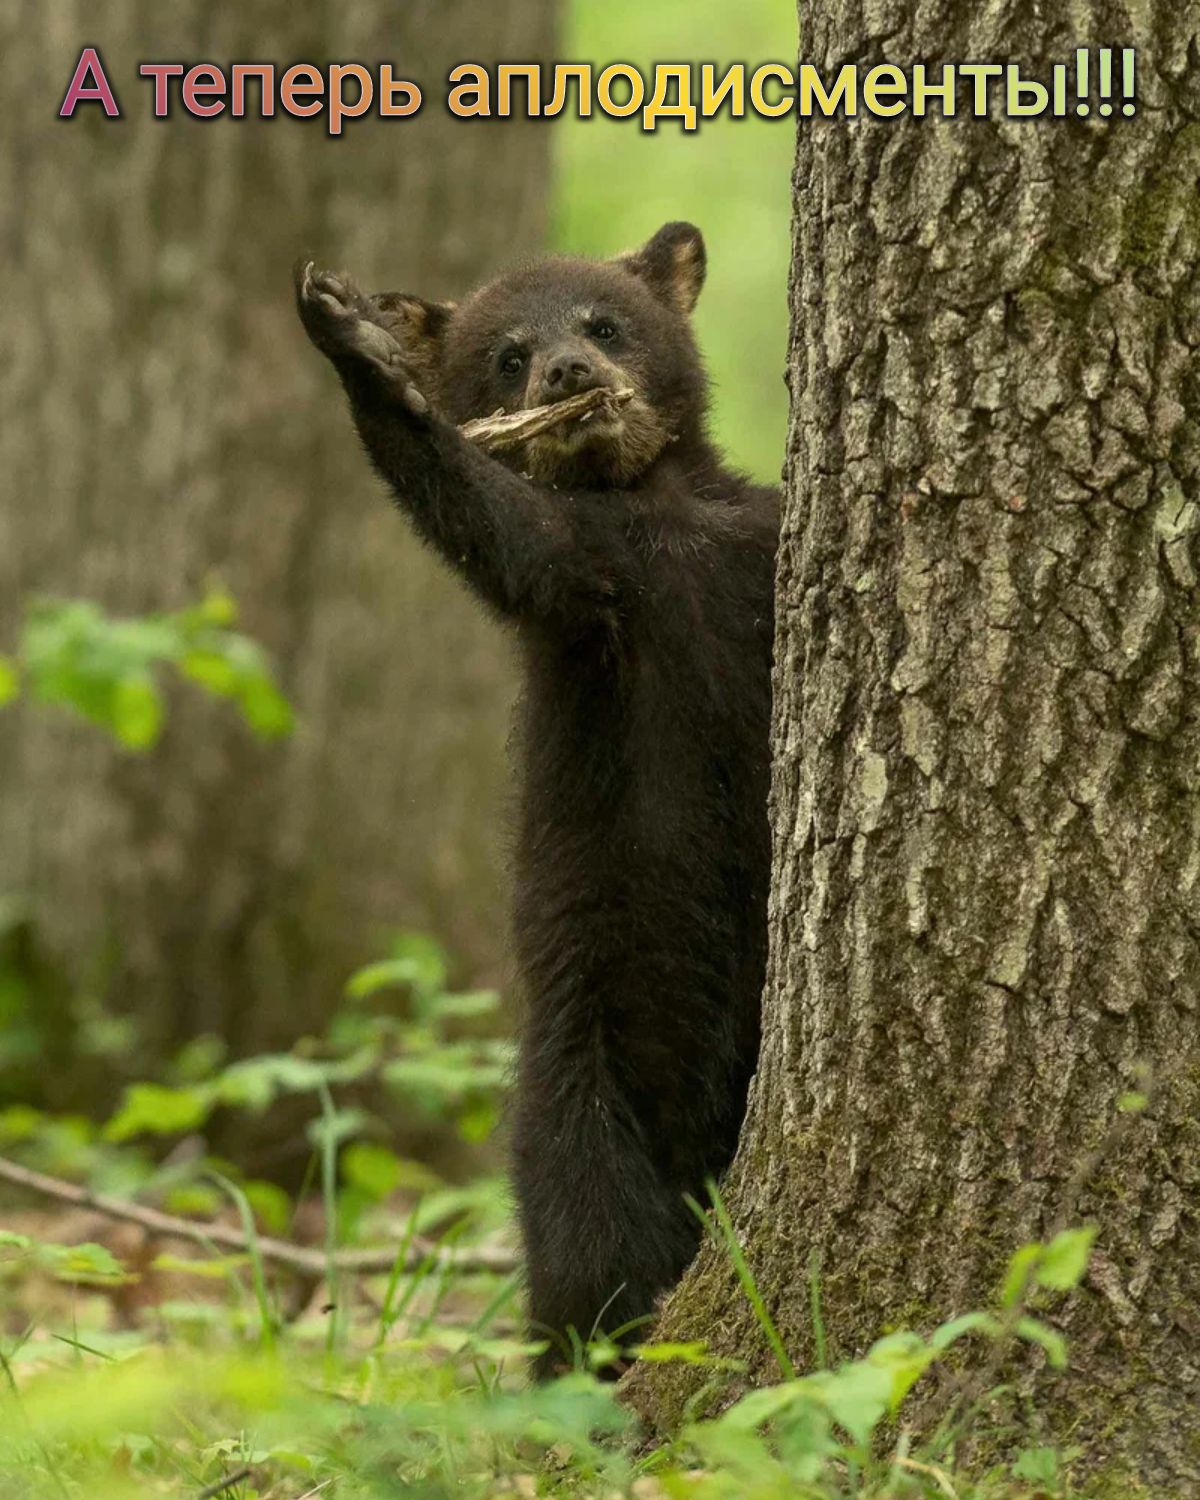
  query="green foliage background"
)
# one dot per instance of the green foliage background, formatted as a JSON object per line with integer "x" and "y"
{"x": 616, "y": 184}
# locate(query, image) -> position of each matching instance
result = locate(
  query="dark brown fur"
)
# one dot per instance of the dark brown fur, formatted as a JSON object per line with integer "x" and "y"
{"x": 638, "y": 572}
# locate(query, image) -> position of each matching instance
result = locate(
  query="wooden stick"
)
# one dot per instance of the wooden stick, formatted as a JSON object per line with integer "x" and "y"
{"x": 503, "y": 431}
{"x": 300, "y": 1258}
{"x": 507, "y": 430}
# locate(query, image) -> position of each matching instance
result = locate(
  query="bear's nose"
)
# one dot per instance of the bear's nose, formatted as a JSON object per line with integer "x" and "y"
{"x": 566, "y": 375}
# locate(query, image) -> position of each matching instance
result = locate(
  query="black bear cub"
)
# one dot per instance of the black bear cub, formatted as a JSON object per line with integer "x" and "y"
{"x": 638, "y": 573}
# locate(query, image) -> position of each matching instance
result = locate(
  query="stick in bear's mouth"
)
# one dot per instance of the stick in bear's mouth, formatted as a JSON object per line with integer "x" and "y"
{"x": 506, "y": 430}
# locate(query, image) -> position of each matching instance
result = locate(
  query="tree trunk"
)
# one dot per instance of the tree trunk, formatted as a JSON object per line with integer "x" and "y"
{"x": 986, "y": 797}
{"x": 164, "y": 422}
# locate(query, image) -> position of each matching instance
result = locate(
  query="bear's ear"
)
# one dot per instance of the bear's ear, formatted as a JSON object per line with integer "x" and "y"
{"x": 417, "y": 325}
{"x": 672, "y": 264}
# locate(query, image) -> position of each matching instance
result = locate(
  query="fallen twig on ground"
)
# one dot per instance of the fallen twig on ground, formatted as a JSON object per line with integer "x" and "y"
{"x": 302, "y": 1259}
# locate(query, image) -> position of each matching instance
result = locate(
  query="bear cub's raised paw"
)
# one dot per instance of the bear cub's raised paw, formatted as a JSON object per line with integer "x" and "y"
{"x": 343, "y": 324}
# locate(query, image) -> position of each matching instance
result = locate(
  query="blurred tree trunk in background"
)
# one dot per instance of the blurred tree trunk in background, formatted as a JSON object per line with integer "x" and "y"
{"x": 986, "y": 800}
{"x": 165, "y": 422}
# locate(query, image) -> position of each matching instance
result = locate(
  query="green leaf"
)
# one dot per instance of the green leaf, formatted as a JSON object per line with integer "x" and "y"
{"x": 667, "y": 1353}
{"x": 466, "y": 1006}
{"x": 91, "y": 1265}
{"x": 137, "y": 713}
{"x": 416, "y": 962}
{"x": 1039, "y": 1466}
{"x": 733, "y": 1450}
{"x": 1019, "y": 1276}
{"x": 1065, "y": 1259}
{"x": 212, "y": 671}
{"x": 373, "y": 1169}
{"x": 20, "y": 1122}
{"x": 213, "y": 1269}
{"x": 255, "y": 1082}
{"x": 218, "y": 608}
{"x": 10, "y": 680}
{"x": 341, "y": 1125}
{"x": 104, "y": 668}
{"x": 443, "y": 1077}
{"x": 193, "y": 1199}
{"x": 416, "y": 1176}
{"x": 198, "y": 1059}
{"x": 950, "y": 1332}
{"x": 858, "y": 1397}
{"x": 601, "y": 1353}
{"x": 271, "y": 1204}
{"x": 1037, "y": 1332}
{"x": 761, "y": 1406}
{"x": 428, "y": 958}
{"x": 151, "y": 1108}
{"x": 388, "y": 973}
{"x": 477, "y": 1120}
{"x": 906, "y": 1356}
{"x": 1133, "y": 1103}
{"x": 265, "y": 709}
{"x": 898, "y": 1346}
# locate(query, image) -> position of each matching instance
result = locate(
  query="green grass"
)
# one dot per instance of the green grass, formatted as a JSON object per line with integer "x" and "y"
{"x": 616, "y": 184}
{"x": 210, "y": 1371}
{"x": 427, "y": 1397}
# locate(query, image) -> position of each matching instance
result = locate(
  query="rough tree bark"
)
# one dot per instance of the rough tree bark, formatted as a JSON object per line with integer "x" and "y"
{"x": 162, "y": 423}
{"x": 986, "y": 798}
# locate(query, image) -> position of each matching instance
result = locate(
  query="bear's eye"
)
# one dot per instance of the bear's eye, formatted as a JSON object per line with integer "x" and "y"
{"x": 604, "y": 330}
{"x": 512, "y": 363}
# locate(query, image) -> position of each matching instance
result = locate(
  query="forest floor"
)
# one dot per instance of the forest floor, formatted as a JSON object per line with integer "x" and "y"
{"x": 136, "y": 1364}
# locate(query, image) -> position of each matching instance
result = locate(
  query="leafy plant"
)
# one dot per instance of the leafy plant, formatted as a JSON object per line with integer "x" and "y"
{"x": 109, "y": 670}
{"x": 414, "y": 1049}
{"x": 412, "y": 1382}
{"x": 83, "y": 1264}
{"x": 806, "y": 1430}
{"x": 432, "y": 1403}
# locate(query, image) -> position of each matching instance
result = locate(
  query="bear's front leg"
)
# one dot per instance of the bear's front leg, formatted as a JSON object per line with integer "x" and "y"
{"x": 531, "y": 554}
{"x": 341, "y": 321}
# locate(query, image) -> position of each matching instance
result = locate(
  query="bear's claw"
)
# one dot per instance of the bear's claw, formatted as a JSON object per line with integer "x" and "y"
{"x": 340, "y": 322}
